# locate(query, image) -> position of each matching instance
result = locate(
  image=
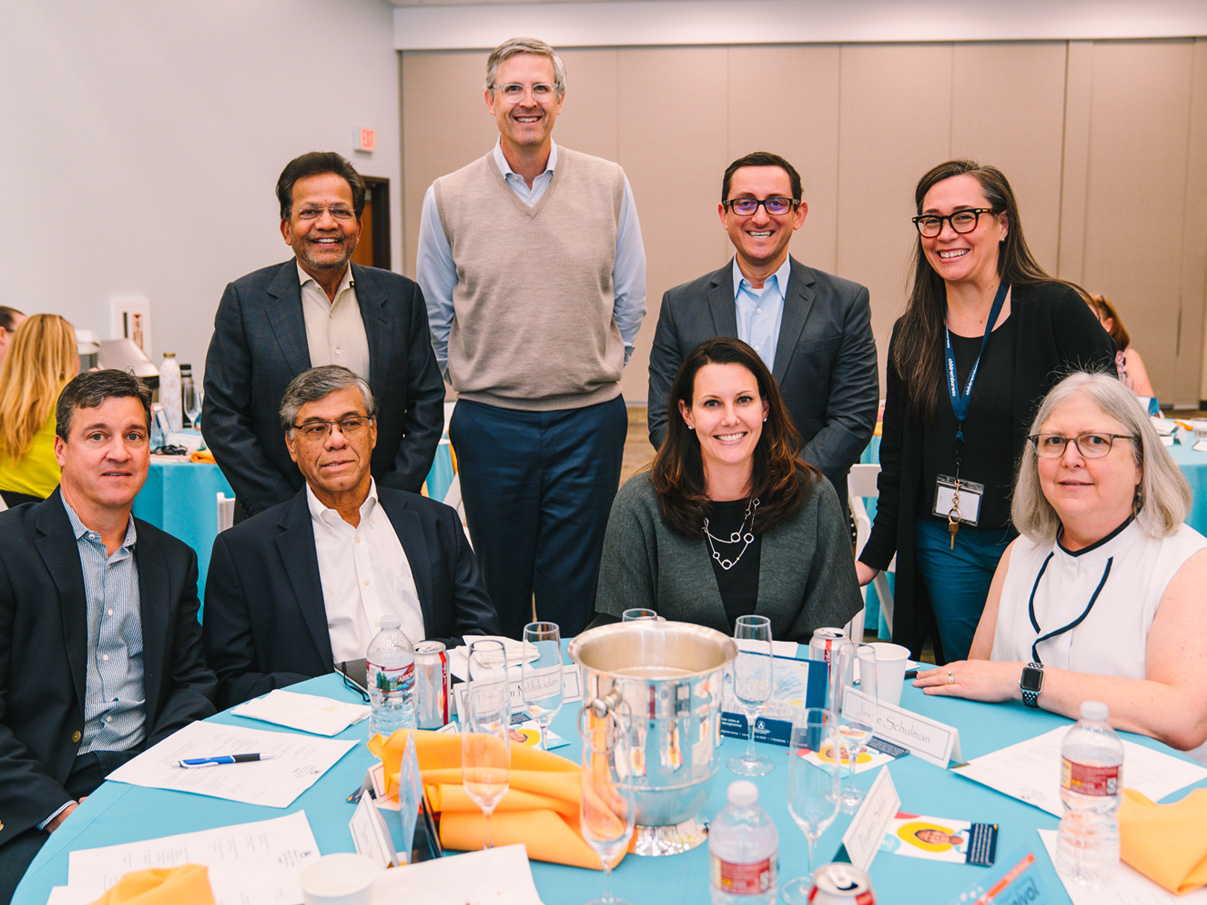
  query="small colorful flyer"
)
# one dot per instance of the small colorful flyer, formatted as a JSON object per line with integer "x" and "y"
{"x": 940, "y": 839}
{"x": 876, "y": 753}
{"x": 798, "y": 683}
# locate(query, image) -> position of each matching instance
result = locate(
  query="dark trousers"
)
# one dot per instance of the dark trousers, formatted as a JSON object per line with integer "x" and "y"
{"x": 88, "y": 772}
{"x": 538, "y": 487}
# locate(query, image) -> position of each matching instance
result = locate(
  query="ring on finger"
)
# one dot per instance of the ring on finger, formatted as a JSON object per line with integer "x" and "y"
{"x": 951, "y": 678}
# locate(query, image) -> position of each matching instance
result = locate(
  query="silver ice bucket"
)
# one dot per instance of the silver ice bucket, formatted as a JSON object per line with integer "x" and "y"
{"x": 665, "y": 678}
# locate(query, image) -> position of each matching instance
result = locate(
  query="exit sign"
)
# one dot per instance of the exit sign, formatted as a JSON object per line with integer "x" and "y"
{"x": 366, "y": 139}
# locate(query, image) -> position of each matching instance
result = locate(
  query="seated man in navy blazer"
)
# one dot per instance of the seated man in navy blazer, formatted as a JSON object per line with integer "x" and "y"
{"x": 100, "y": 650}
{"x": 303, "y": 585}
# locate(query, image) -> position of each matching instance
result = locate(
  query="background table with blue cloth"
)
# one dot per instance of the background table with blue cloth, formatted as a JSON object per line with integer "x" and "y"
{"x": 121, "y": 813}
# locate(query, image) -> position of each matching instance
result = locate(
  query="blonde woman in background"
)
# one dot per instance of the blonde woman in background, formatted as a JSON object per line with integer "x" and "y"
{"x": 41, "y": 358}
{"x": 1127, "y": 360}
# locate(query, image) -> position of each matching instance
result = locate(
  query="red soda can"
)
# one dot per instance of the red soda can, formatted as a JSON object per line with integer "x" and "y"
{"x": 431, "y": 685}
{"x": 824, "y": 643}
{"x": 841, "y": 884}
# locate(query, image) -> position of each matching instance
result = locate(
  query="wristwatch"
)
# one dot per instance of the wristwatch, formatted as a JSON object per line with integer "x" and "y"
{"x": 1031, "y": 683}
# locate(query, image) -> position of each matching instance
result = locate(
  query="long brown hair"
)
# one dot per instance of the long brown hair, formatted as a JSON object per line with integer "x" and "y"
{"x": 1104, "y": 308}
{"x": 918, "y": 351}
{"x": 678, "y": 470}
{"x": 42, "y": 358}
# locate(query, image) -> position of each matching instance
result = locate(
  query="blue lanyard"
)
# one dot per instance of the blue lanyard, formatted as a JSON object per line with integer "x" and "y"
{"x": 959, "y": 401}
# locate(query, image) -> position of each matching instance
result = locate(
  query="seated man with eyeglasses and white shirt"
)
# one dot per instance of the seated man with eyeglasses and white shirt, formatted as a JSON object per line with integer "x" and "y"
{"x": 303, "y": 585}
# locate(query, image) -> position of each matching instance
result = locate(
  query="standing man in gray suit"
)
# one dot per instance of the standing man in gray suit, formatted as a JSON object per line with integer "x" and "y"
{"x": 318, "y": 308}
{"x": 812, "y": 329}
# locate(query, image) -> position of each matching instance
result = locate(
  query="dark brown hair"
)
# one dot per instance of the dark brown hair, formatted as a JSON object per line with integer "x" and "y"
{"x": 678, "y": 470}
{"x": 90, "y": 389}
{"x": 761, "y": 159}
{"x": 1104, "y": 308}
{"x": 318, "y": 163}
{"x": 918, "y": 351}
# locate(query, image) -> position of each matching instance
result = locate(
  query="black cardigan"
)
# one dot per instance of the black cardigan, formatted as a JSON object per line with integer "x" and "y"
{"x": 1057, "y": 333}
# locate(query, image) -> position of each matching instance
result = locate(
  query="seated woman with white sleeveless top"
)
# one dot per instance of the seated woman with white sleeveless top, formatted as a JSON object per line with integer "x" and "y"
{"x": 1101, "y": 598}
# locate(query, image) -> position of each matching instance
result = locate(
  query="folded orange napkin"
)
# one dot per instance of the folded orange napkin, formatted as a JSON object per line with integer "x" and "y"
{"x": 540, "y": 809}
{"x": 1166, "y": 842}
{"x": 203, "y": 455}
{"x": 188, "y": 884}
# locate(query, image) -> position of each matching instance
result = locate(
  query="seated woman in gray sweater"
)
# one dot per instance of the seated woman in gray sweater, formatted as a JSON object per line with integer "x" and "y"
{"x": 729, "y": 521}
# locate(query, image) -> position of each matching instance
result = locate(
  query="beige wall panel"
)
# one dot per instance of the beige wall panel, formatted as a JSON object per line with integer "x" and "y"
{"x": 588, "y": 121}
{"x": 1076, "y": 156}
{"x": 1135, "y": 202}
{"x": 1007, "y": 109}
{"x": 799, "y": 121}
{"x": 895, "y": 125}
{"x": 673, "y": 148}
{"x": 1194, "y": 249}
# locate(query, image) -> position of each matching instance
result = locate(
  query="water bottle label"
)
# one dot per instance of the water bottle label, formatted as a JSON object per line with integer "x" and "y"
{"x": 1087, "y": 779}
{"x": 742, "y": 879}
{"x": 391, "y": 681}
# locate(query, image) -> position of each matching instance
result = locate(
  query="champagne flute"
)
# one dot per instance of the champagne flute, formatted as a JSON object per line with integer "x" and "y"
{"x": 856, "y": 715}
{"x": 753, "y": 680}
{"x": 607, "y": 811}
{"x": 485, "y": 730}
{"x": 813, "y": 789}
{"x": 193, "y": 399}
{"x": 541, "y": 679}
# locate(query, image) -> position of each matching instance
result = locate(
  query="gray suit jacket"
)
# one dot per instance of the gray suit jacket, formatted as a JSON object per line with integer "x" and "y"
{"x": 825, "y": 360}
{"x": 259, "y": 345}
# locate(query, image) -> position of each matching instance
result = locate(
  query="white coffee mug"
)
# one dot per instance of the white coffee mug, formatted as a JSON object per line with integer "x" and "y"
{"x": 890, "y": 671}
{"x": 344, "y": 878}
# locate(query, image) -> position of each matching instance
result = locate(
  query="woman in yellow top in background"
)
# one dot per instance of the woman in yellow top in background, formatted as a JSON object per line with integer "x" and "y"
{"x": 41, "y": 359}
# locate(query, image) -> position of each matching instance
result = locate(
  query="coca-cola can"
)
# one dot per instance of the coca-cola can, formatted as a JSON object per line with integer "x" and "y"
{"x": 841, "y": 884}
{"x": 431, "y": 685}
{"x": 825, "y": 641}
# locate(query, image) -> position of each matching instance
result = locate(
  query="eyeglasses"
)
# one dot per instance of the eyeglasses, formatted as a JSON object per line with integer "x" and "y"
{"x": 320, "y": 430}
{"x": 930, "y": 225}
{"x": 514, "y": 91}
{"x": 1092, "y": 445}
{"x": 776, "y": 207}
{"x": 313, "y": 213}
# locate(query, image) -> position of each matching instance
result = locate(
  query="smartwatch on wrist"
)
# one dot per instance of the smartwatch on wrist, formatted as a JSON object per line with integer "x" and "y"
{"x": 1031, "y": 683}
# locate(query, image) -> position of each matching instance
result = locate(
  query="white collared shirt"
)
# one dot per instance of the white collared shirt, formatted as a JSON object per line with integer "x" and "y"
{"x": 365, "y": 574}
{"x": 335, "y": 332}
{"x": 761, "y": 311}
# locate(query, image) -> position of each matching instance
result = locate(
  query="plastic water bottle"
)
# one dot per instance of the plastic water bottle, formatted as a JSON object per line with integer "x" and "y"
{"x": 391, "y": 677}
{"x": 169, "y": 391}
{"x": 743, "y": 846}
{"x": 1091, "y": 785}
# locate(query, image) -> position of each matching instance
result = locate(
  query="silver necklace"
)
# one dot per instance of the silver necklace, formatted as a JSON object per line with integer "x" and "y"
{"x": 743, "y": 536}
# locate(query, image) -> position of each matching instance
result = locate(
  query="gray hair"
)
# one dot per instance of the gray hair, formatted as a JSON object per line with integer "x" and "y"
{"x": 513, "y": 46}
{"x": 1163, "y": 496}
{"x": 313, "y": 385}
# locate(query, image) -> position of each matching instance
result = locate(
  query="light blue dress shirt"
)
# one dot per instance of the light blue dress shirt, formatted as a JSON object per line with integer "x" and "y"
{"x": 436, "y": 272}
{"x": 761, "y": 311}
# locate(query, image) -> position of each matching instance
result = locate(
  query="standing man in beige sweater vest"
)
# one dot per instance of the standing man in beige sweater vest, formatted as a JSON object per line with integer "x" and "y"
{"x": 531, "y": 262}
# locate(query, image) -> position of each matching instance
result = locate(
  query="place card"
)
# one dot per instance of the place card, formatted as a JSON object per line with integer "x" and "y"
{"x": 934, "y": 742}
{"x": 863, "y": 837}
{"x": 369, "y": 833}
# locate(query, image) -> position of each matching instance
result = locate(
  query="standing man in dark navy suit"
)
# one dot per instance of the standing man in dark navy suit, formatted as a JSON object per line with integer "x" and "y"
{"x": 319, "y": 309}
{"x": 812, "y": 329}
{"x": 303, "y": 586}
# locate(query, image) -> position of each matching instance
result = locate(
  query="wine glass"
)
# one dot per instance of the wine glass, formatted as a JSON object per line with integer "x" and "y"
{"x": 485, "y": 730}
{"x": 753, "y": 680}
{"x": 813, "y": 789}
{"x": 638, "y": 614}
{"x": 194, "y": 396}
{"x": 541, "y": 679}
{"x": 856, "y": 715}
{"x": 607, "y": 811}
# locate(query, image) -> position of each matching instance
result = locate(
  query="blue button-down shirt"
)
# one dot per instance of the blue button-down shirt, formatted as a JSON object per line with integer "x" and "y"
{"x": 114, "y": 700}
{"x": 761, "y": 311}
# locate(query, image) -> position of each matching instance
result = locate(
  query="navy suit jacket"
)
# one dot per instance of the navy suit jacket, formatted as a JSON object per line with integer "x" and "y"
{"x": 259, "y": 345}
{"x": 265, "y": 620}
{"x": 44, "y": 653}
{"x": 825, "y": 359}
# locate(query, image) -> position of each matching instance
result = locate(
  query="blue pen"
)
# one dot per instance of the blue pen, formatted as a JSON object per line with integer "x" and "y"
{"x": 194, "y": 762}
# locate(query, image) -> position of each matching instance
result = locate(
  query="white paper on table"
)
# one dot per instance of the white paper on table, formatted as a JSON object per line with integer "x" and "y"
{"x": 296, "y": 763}
{"x": 307, "y": 712}
{"x": 517, "y": 652}
{"x": 249, "y": 864}
{"x": 1030, "y": 770}
{"x": 787, "y": 649}
{"x": 1129, "y": 887}
{"x": 500, "y": 874}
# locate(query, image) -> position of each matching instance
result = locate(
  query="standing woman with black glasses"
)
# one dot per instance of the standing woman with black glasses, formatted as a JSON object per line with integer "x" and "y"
{"x": 986, "y": 333}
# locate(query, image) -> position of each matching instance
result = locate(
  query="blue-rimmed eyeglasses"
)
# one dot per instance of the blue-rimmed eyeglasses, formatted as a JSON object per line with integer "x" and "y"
{"x": 1091, "y": 444}
{"x": 930, "y": 225}
{"x": 776, "y": 207}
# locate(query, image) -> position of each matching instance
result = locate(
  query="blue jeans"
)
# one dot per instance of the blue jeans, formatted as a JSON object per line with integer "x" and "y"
{"x": 958, "y": 580}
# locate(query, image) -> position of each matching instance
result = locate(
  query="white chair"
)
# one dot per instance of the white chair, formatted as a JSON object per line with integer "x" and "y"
{"x": 226, "y": 511}
{"x": 861, "y": 485}
{"x": 453, "y": 498}
{"x": 3, "y": 505}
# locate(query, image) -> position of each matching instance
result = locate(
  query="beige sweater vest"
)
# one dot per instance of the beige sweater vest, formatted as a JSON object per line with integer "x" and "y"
{"x": 532, "y": 326}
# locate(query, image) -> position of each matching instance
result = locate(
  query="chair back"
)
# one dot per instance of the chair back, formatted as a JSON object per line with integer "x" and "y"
{"x": 226, "y": 511}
